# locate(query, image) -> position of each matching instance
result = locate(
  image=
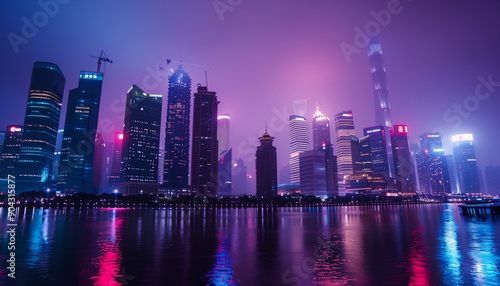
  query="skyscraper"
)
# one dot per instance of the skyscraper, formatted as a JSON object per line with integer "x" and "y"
{"x": 80, "y": 128}
{"x": 225, "y": 156}
{"x": 204, "y": 169}
{"x": 10, "y": 154}
{"x": 378, "y": 149}
{"x": 402, "y": 162}
{"x": 57, "y": 157}
{"x": 492, "y": 176}
{"x": 432, "y": 166}
{"x": 97, "y": 170}
{"x": 116, "y": 161}
{"x": 266, "y": 167}
{"x": 465, "y": 163}
{"x": 453, "y": 173}
{"x": 381, "y": 94}
{"x": 176, "y": 160}
{"x": 224, "y": 172}
{"x": 344, "y": 129}
{"x": 313, "y": 173}
{"x": 321, "y": 130}
{"x": 299, "y": 142}
{"x": 223, "y": 132}
{"x": 2, "y": 139}
{"x": 141, "y": 142}
{"x": 240, "y": 180}
{"x": 43, "y": 111}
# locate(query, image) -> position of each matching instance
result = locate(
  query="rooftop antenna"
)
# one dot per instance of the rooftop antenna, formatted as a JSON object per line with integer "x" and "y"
{"x": 206, "y": 79}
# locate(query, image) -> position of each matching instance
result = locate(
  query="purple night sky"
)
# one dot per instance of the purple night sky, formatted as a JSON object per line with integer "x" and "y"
{"x": 266, "y": 55}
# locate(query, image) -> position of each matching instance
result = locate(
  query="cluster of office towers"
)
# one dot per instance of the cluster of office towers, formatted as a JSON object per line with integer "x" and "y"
{"x": 383, "y": 160}
{"x": 71, "y": 160}
{"x": 75, "y": 159}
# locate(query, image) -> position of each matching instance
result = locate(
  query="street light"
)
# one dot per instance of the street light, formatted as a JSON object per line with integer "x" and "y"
{"x": 116, "y": 194}
{"x": 48, "y": 192}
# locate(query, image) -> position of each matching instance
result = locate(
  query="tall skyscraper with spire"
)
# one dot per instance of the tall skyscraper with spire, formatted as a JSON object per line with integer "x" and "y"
{"x": 176, "y": 160}
{"x": 43, "y": 111}
{"x": 381, "y": 94}
{"x": 299, "y": 142}
{"x": 266, "y": 167}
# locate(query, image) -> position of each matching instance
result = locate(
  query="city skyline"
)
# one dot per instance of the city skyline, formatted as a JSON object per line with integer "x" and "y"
{"x": 449, "y": 79}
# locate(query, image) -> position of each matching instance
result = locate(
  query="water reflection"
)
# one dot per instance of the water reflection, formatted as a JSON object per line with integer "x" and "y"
{"x": 372, "y": 245}
{"x": 222, "y": 273}
{"x": 109, "y": 247}
{"x": 451, "y": 258}
{"x": 484, "y": 253}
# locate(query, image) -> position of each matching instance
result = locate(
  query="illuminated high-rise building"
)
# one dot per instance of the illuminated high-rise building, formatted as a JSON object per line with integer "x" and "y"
{"x": 10, "y": 153}
{"x": 176, "y": 159}
{"x": 204, "y": 168}
{"x": 403, "y": 167}
{"x": 320, "y": 130}
{"x": 2, "y": 139}
{"x": 266, "y": 167}
{"x": 313, "y": 173}
{"x": 433, "y": 175}
{"x": 240, "y": 179}
{"x": 344, "y": 129}
{"x": 299, "y": 142}
{"x": 116, "y": 161}
{"x": 57, "y": 157}
{"x": 225, "y": 156}
{"x": 141, "y": 143}
{"x": 465, "y": 163}
{"x": 224, "y": 172}
{"x": 378, "y": 149}
{"x": 99, "y": 154}
{"x": 80, "y": 128}
{"x": 43, "y": 111}
{"x": 381, "y": 94}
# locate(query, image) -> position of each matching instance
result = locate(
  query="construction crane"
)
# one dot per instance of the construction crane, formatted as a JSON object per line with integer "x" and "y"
{"x": 102, "y": 58}
{"x": 169, "y": 61}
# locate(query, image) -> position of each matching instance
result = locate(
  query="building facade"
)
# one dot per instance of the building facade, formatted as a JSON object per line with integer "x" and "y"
{"x": 80, "y": 128}
{"x": 141, "y": 142}
{"x": 320, "y": 130}
{"x": 344, "y": 129}
{"x": 43, "y": 111}
{"x": 204, "y": 167}
{"x": 298, "y": 142}
{"x": 465, "y": 163}
{"x": 266, "y": 168}
{"x": 405, "y": 182}
{"x": 176, "y": 159}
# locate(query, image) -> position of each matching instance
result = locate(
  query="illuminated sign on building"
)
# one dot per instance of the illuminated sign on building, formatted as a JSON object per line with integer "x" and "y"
{"x": 15, "y": 129}
{"x": 401, "y": 129}
{"x": 462, "y": 137}
{"x": 223, "y": 117}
